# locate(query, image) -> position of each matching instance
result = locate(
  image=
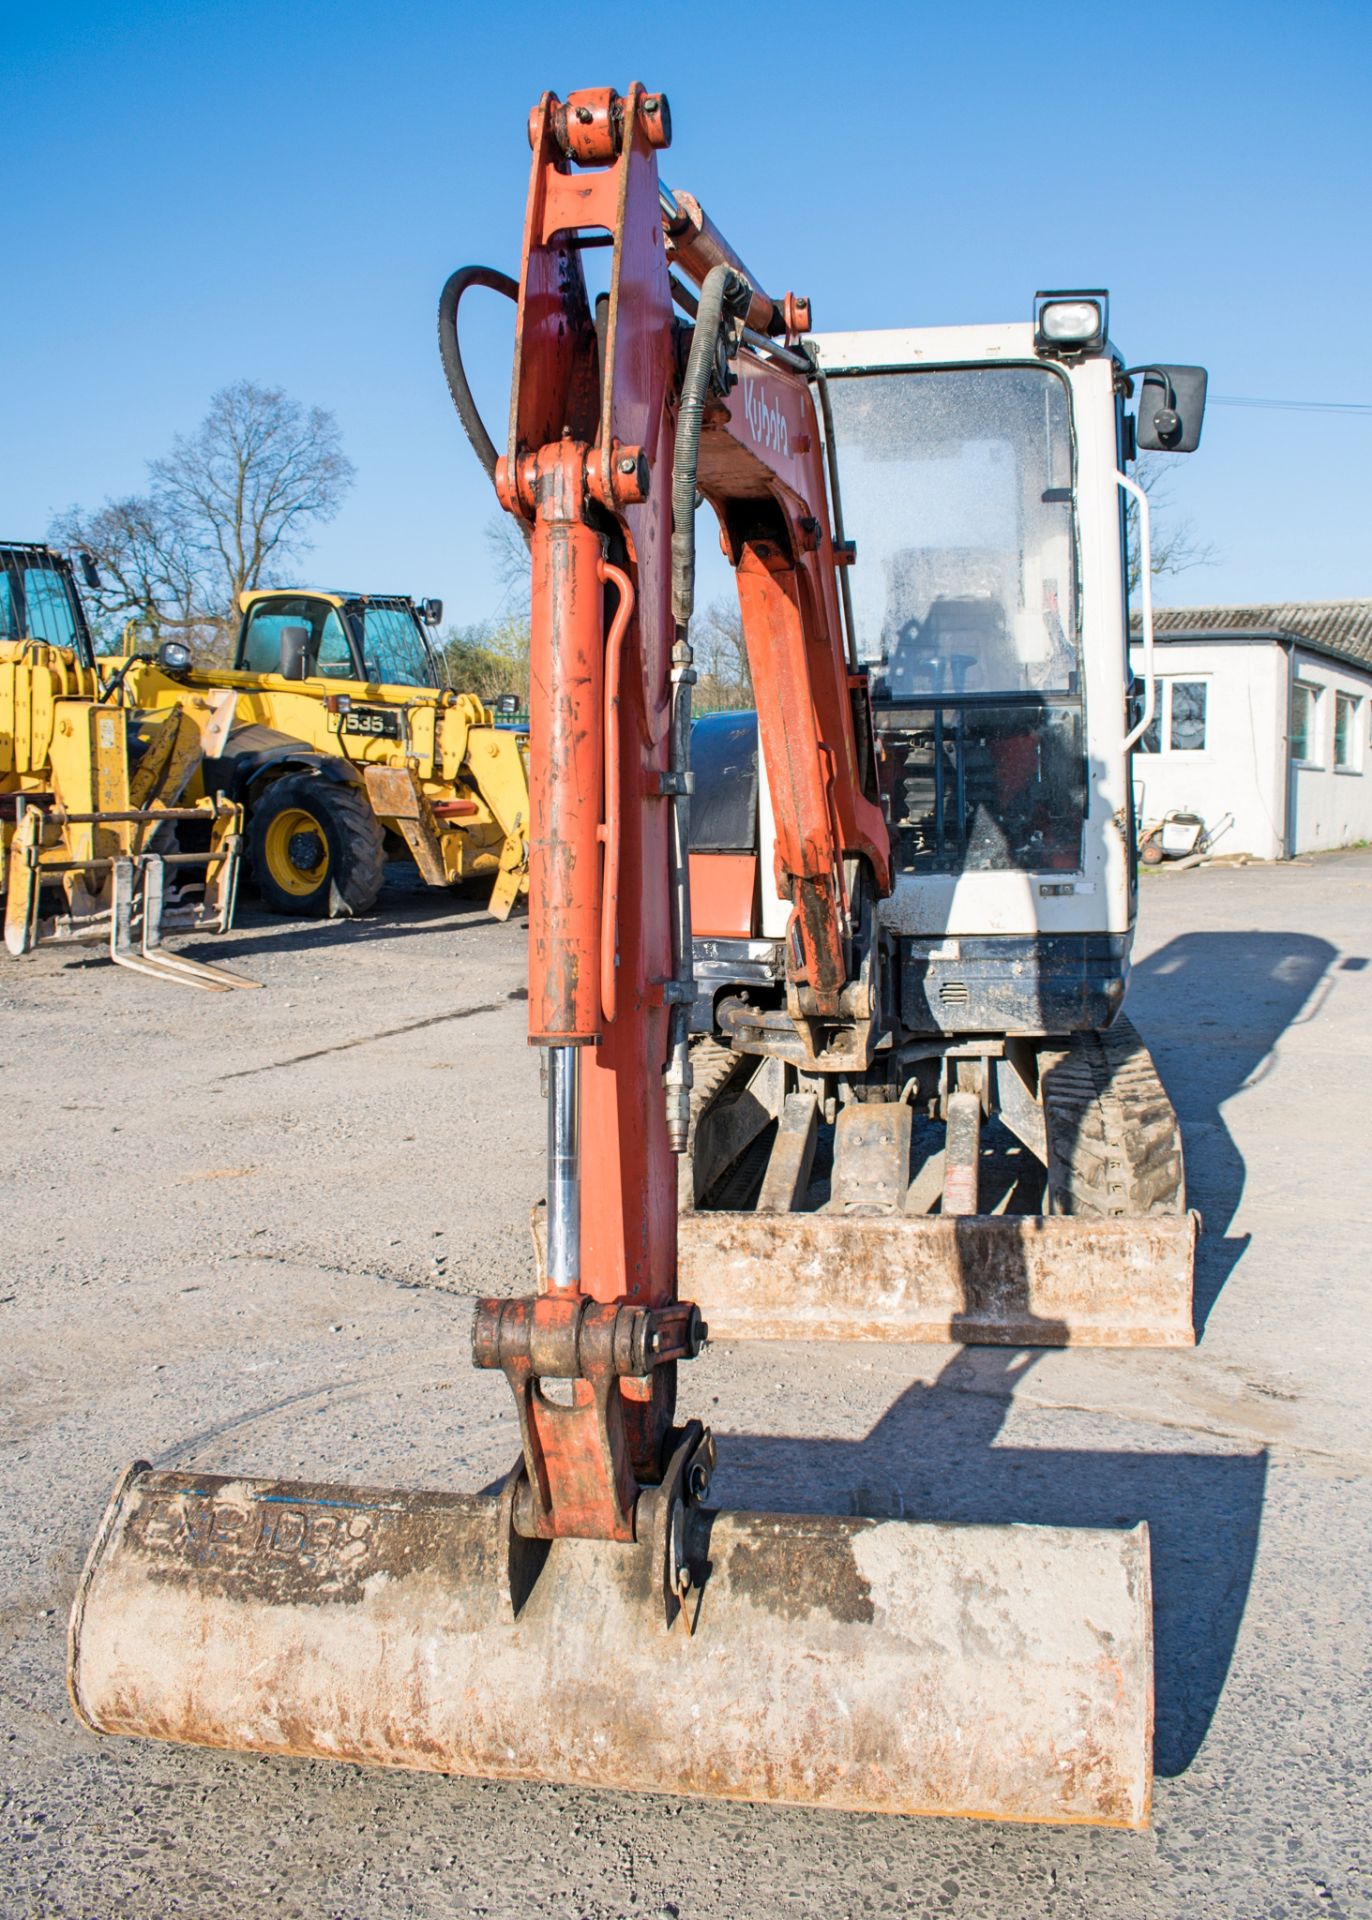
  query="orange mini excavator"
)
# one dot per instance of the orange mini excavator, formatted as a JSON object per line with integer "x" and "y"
{"x": 592, "y": 1619}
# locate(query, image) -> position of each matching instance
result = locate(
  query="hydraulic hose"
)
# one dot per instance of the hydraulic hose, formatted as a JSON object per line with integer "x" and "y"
{"x": 458, "y": 386}
{"x": 723, "y": 290}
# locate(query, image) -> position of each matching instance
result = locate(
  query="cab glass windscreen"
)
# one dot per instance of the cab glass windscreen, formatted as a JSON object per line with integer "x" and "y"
{"x": 957, "y": 486}
{"x": 394, "y": 647}
{"x": 35, "y": 604}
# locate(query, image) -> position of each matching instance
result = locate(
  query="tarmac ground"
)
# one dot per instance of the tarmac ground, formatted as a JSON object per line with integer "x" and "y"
{"x": 244, "y": 1232}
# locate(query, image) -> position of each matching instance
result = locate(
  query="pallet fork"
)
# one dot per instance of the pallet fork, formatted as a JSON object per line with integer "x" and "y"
{"x": 102, "y": 843}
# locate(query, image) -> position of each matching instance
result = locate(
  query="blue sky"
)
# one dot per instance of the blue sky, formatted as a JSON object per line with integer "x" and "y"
{"x": 199, "y": 193}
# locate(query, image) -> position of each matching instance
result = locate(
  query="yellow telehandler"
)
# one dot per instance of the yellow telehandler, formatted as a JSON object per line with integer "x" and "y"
{"x": 98, "y": 839}
{"x": 347, "y": 745}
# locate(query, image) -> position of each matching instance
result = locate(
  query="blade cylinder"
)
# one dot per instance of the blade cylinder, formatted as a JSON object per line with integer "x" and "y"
{"x": 876, "y": 1665}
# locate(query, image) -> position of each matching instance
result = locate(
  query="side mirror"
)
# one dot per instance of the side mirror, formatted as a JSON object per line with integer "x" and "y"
{"x": 294, "y": 641}
{"x": 174, "y": 659}
{"x": 1171, "y": 408}
{"x": 90, "y": 573}
{"x": 431, "y": 612}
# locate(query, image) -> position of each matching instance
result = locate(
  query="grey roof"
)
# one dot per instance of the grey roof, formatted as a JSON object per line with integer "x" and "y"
{"x": 1339, "y": 627}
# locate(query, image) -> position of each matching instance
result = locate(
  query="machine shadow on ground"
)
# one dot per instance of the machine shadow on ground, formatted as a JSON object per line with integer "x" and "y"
{"x": 934, "y": 1456}
{"x": 1212, "y": 1006}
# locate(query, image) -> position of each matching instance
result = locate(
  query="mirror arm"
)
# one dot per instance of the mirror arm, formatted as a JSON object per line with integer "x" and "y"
{"x": 1169, "y": 391}
{"x": 114, "y": 681}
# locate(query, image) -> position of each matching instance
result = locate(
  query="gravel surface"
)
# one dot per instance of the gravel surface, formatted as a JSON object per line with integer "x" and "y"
{"x": 244, "y": 1231}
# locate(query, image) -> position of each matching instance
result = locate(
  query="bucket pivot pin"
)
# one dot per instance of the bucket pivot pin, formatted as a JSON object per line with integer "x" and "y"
{"x": 580, "y": 1472}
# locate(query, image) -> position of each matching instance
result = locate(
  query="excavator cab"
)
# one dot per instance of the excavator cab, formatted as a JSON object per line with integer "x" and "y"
{"x": 978, "y": 473}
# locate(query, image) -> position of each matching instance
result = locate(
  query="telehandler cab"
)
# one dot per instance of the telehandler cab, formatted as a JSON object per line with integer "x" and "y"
{"x": 592, "y": 1619}
{"x": 348, "y": 744}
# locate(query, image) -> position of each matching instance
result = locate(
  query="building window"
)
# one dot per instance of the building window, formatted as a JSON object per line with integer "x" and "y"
{"x": 1187, "y": 733}
{"x": 1305, "y": 723}
{"x": 1347, "y": 733}
{"x": 1178, "y": 718}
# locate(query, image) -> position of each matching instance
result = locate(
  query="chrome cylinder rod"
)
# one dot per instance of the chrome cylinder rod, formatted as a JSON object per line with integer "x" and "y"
{"x": 564, "y": 1167}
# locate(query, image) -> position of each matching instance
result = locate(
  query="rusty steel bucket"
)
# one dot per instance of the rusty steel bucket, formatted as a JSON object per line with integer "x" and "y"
{"x": 873, "y": 1665}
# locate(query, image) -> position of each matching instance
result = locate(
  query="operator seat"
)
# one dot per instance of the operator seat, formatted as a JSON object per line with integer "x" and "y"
{"x": 963, "y": 645}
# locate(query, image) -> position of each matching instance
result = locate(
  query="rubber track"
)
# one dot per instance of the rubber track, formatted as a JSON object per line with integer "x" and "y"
{"x": 1114, "y": 1146}
{"x": 713, "y": 1066}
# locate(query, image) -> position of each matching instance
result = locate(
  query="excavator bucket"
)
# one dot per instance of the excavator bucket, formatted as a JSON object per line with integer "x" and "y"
{"x": 873, "y": 1665}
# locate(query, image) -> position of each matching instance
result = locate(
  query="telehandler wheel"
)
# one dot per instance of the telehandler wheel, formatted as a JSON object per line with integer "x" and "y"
{"x": 316, "y": 848}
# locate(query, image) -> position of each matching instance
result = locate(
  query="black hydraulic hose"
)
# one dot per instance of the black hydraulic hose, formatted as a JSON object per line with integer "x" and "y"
{"x": 116, "y": 679}
{"x": 724, "y": 289}
{"x": 463, "y": 399}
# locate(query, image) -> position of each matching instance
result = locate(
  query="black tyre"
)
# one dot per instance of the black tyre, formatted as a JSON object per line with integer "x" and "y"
{"x": 1114, "y": 1146}
{"x": 315, "y": 847}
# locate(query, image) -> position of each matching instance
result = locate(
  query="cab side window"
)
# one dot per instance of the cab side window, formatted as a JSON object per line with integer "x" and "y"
{"x": 327, "y": 653}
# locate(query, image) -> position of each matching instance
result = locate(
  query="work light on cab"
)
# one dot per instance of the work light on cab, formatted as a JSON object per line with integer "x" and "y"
{"x": 1071, "y": 322}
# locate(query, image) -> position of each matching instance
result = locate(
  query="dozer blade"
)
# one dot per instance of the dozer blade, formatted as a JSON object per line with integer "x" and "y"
{"x": 1008, "y": 1280}
{"x": 870, "y": 1665}
{"x": 983, "y": 1279}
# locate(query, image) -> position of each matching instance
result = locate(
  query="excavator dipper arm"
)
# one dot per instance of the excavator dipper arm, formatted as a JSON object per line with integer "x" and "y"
{"x": 616, "y": 417}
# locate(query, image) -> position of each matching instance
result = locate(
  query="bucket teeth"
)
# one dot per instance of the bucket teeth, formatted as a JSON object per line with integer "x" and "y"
{"x": 876, "y": 1665}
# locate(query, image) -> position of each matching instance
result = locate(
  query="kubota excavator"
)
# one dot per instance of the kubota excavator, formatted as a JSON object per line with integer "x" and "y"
{"x": 592, "y": 1620}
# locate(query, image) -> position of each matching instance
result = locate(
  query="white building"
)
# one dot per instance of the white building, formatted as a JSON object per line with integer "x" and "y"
{"x": 1262, "y": 725}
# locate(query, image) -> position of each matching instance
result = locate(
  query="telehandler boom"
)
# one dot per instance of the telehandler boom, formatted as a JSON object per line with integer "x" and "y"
{"x": 592, "y": 1620}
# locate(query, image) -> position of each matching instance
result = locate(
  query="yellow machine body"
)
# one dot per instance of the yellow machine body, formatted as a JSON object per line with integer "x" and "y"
{"x": 92, "y": 796}
{"x": 437, "y": 774}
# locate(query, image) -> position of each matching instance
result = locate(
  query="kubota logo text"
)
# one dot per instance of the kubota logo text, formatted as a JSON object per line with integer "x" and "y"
{"x": 766, "y": 423}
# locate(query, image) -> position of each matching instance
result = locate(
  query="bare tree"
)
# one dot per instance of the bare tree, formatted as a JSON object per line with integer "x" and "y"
{"x": 723, "y": 681}
{"x": 225, "y": 508}
{"x": 147, "y": 573}
{"x": 1176, "y": 547}
{"x": 509, "y": 550}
